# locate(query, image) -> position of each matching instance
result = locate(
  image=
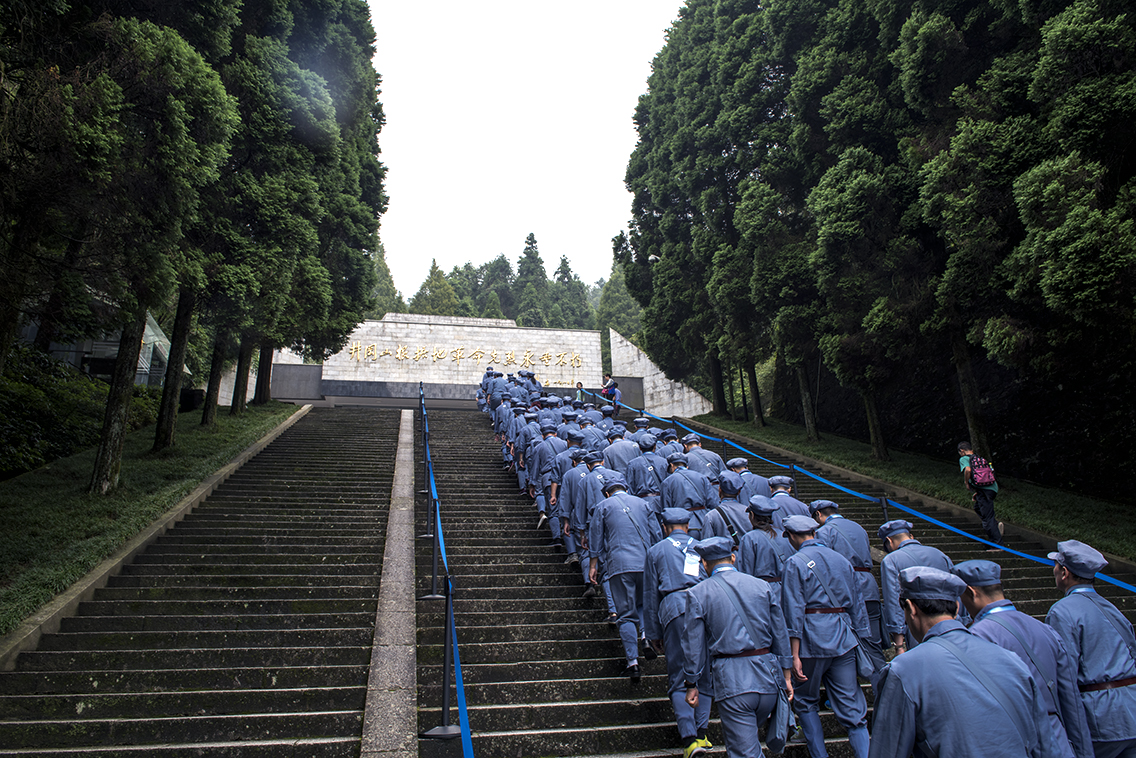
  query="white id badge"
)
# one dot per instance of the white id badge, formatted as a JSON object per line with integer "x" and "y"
{"x": 691, "y": 564}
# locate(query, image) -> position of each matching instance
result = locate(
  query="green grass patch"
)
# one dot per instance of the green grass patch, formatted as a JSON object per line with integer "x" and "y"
{"x": 52, "y": 531}
{"x": 1063, "y": 515}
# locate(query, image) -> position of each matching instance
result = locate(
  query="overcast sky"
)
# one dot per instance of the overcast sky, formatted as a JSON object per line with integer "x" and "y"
{"x": 508, "y": 117}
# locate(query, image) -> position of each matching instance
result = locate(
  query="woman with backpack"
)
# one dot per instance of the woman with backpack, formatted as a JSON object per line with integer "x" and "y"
{"x": 978, "y": 476}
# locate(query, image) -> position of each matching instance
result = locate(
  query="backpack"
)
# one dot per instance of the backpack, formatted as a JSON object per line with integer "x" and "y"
{"x": 981, "y": 472}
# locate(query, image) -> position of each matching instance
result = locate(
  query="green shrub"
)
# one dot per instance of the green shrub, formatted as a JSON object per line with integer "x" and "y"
{"x": 49, "y": 410}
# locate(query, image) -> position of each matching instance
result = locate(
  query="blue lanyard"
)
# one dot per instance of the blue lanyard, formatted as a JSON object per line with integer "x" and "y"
{"x": 722, "y": 568}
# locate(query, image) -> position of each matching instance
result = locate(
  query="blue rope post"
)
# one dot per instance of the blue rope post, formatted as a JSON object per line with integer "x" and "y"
{"x": 446, "y": 731}
{"x": 884, "y": 508}
{"x": 434, "y": 576}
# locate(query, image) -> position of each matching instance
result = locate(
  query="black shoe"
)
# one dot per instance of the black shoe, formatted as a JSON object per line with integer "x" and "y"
{"x": 632, "y": 672}
{"x": 573, "y": 559}
{"x": 590, "y": 591}
{"x": 611, "y": 617}
{"x": 798, "y": 738}
{"x": 649, "y": 653}
{"x": 542, "y": 520}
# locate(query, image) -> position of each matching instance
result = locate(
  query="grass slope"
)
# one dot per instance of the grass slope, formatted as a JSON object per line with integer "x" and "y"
{"x": 52, "y": 531}
{"x": 1064, "y": 515}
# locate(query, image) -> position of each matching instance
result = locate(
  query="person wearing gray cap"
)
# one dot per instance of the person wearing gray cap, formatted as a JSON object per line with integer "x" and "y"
{"x": 594, "y": 438}
{"x": 955, "y": 694}
{"x": 586, "y": 495}
{"x": 764, "y": 549}
{"x": 903, "y": 551}
{"x": 737, "y": 620}
{"x": 825, "y": 616}
{"x": 1101, "y": 639}
{"x": 645, "y": 476}
{"x": 619, "y": 451}
{"x": 540, "y": 484}
{"x": 641, "y": 425}
{"x": 564, "y": 476}
{"x": 673, "y": 567}
{"x": 787, "y": 505}
{"x": 606, "y": 422}
{"x": 729, "y": 517}
{"x": 617, "y": 531}
{"x": 699, "y": 459}
{"x": 687, "y": 489}
{"x": 1040, "y": 648}
{"x": 567, "y": 424}
{"x": 851, "y": 540}
{"x": 752, "y": 484}
{"x": 670, "y": 443}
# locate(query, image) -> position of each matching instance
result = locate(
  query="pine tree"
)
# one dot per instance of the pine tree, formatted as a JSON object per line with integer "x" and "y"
{"x": 435, "y": 297}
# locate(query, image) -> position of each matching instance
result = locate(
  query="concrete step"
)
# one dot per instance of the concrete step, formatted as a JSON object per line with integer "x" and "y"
{"x": 178, "y": 679}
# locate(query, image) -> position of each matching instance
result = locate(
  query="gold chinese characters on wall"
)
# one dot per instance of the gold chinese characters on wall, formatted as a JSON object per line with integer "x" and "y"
{"x": 528, "y": 359}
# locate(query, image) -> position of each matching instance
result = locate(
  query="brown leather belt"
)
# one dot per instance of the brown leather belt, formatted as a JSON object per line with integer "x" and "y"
{"x": 770, "y": 578}
{"x": 861, "y": 568}
{"x": 743, "y": 654}
{"x": 698, "y": 507}
{"x": 824, "y": 610}
{"x": 1114, "y": 684}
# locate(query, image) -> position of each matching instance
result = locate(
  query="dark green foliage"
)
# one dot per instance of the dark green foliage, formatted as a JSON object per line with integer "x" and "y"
{"x": 436, "y": 296}
{"x": 617, "y": 310}
{"x": 49, "y": 410}
{"x": 858, "y": 190}
{"x": 387, "y": 298}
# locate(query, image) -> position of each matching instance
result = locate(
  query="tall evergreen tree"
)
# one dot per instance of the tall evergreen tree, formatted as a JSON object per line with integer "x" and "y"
{"x": 435, "y": 297}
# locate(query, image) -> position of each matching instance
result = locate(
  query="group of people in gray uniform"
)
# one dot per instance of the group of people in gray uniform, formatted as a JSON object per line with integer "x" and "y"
{"x": 758, "y": 600}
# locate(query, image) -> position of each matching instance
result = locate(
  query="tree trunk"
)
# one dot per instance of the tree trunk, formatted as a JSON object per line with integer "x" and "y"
{"x": 754, "y": 394}
{"x": 717, "y": 390}
{"x": 171, "y": 392}
{"x": 971, "y": 401}
{"x": 811, "y": 433}
{"x": 263, "y": 393}
{"x": 241, "y": 382}
{"x": 213, "y": 390}
{"x": 728, "y": 381}
{"x": 108, "y": 459}
{"x": 875, "y": 428}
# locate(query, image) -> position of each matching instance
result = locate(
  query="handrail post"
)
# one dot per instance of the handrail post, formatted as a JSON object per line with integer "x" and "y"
{"x": 434, "y": 575}
{"x": 446, "y": 731}
{"x": 793, "y": 476}
{"x": 432, "y": 511}
{"x": 884, "y": 508}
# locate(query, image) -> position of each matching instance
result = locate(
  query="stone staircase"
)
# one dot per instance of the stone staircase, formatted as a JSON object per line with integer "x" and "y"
{"x": 541, "y": 666}
{"x": 246, "y": 630}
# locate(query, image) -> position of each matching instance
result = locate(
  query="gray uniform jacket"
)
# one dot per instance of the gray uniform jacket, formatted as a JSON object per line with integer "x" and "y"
{"x": 1103, "y": 655}
{"x": 712, "y": 622}
{"x": 929, "y": 702}
{"x": 823, "y": 634}
{"x": 1057, "y": 677}
{"x": 850, "y": 540}
{"x": 618, "y": 532}
{"x": 665, "y": 583}
{"x": 763, "y": 555}
{"x": 726, "y": 520}
{"x": 909, "y": 553}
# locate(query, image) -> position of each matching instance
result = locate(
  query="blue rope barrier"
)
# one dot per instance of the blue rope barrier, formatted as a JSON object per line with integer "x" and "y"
{"x": 854, "y": 493}
{"x": 463, "y": 714}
